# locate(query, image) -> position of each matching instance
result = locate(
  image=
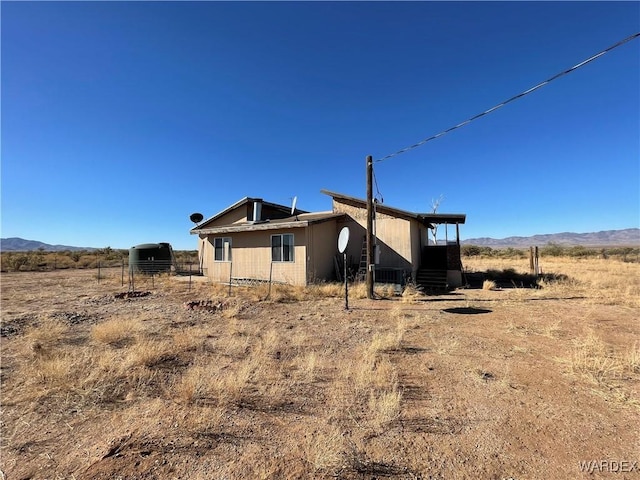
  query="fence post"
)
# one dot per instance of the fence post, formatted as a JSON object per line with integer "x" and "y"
{"x": 270, "y": 276}
{"x": 531, "y": 271}
{"x": 122, "y": 274}
{"x": 98, "y": 271}
{"x": 189, "y": 276}
{"x": 230, "y": 276}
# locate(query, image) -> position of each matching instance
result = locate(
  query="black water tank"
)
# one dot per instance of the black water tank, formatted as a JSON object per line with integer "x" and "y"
{"x": 151, "y": 258}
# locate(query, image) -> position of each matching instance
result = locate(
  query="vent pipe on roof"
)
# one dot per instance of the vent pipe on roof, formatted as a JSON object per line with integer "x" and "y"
{"x": 257, "y": 210}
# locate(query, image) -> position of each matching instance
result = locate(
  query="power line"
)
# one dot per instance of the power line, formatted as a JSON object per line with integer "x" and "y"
{"x": 375, "y": 182}
{"x": 500, "y": 105}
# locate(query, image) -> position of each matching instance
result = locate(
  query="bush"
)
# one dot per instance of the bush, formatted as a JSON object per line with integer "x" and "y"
{"x": 476, "y": 251}
{"x": 553, "y": 250}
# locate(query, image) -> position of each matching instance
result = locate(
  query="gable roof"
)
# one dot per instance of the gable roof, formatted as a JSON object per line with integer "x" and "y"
{"x": 295, "y": 221}
{"x": 426, "y": 218}
{"x": 240, "y": 203}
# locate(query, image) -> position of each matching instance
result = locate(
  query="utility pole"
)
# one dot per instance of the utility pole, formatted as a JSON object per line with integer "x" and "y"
{"x": 370, "y": 253}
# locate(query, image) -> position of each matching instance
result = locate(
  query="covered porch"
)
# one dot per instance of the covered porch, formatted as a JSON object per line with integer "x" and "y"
{"x": 440, "y": 262}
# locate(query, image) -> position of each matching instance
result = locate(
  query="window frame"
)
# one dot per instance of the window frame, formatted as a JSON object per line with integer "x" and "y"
{"x": 225, "y": 254}
{"x": 290, "y": 258}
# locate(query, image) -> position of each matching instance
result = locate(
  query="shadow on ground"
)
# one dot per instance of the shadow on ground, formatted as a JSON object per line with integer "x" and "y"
{"x": 466, "y": 310}
{"x": 509, "y": 278}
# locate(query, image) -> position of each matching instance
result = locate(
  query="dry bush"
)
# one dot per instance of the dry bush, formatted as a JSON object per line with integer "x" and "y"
{"x": 384, "y": 407}
{"x": 288, "y": 293}
{"x": 326, "y": 290}
{"x": 45, "y": 335}
{"x": 307, "y": 367}
{"x": 116, "y": 330}
{"x": 591, "y": 357}
{"x": 359, "y": 290}
{"x": 385, "y": 290}
{"x": 489, "y": 285}
{"x": 384, "y": 375}
{"x": 197, "y": 383}
{"x": 411, "y": 293}
{"x": 324, "y": 450}
{"x": 208, "y": 383}
{"x": 148, "y": 352}
{"x": 55, "y": 371}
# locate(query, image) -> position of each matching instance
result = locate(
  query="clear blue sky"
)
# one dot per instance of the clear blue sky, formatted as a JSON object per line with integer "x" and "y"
{"x": 121, "y": 119}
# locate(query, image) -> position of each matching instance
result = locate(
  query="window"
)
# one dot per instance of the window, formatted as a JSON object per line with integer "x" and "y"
{"x": 222, "y": 249}
{"x": 282, "y": 247}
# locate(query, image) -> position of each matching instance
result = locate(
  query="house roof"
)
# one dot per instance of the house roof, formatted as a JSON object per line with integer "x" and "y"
{"x": 426, "y": 218}
{"x": 296, "y": 221}
{"x": 239, "y": 204}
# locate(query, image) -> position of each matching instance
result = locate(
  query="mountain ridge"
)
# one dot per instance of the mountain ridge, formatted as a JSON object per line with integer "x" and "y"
{"x": 604, "y": 238}
{"x": 17, "y": 244}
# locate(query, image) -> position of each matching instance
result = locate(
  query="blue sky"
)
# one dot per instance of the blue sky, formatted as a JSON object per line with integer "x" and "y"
{"x": 120, "y": 119}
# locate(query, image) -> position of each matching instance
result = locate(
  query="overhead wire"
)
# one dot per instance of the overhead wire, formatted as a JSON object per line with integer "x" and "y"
{"x": 375, "y": 182}
{"x": 515, "y": 97}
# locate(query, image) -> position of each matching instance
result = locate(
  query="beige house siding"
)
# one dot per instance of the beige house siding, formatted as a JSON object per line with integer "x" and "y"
{"x": 322, "y": 246}
{"x": 238, "y": 215}
{"x": 393, "y": 236}
{"x": 251, "y": 258}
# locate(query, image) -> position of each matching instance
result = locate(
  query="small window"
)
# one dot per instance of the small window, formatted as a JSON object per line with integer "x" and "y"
{"x": 282, "y": 247}
{"x": 222, "y": 249}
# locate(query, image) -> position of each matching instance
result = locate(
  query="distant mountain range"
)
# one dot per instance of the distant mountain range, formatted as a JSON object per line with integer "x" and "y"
{"x": 606, "y": 238}
{"x": 15, "y": 244}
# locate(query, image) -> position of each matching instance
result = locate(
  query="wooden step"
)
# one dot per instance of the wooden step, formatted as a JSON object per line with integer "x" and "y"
{"x": 432, "y": 279}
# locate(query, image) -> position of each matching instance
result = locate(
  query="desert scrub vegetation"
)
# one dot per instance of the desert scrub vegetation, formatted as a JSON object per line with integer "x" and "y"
{"x": 41, "y": 260}
{"x": 625, "y": 254}
{"x": 600, "y": 280}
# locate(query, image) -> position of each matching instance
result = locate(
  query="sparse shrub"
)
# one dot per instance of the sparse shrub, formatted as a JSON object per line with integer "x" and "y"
{"x": 324, "y": 450}
{"x": 553, "y": 250}
{"x": 116, "y": 330}
{"x": 411, "y": 293}
{"x": 489, "y": 285}
{"x": 14, "y": 261}
{"x": 476, "y": 251}
{"x": 592, "y": 358}
{"x": 384, "y": 407}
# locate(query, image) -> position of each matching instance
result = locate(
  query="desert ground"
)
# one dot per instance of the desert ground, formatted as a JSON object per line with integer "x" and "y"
{"x": 186, "y": 381}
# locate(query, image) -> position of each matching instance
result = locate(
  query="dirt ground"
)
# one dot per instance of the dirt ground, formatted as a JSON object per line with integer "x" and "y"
{"x": 513, "y": 383}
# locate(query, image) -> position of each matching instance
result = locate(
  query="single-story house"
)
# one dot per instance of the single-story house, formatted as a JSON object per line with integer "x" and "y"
{"x": 257, "y": 240}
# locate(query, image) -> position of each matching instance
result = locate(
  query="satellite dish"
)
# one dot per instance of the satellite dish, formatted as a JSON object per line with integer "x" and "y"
{"x": 343, "y": 239}
{"x": 293, "y": 205}
{"x": 196, "y": 217}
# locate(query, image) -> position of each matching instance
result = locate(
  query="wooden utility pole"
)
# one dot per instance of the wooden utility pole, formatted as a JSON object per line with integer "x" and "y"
{"x": 370, "y": 254}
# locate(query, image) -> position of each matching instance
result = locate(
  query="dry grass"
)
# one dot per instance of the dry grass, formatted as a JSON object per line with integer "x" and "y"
{"x": 592, "y": 358}
{"x": 602, "y": 281}
{"x": 295, "y": 387}
{"x": 489, "y": 285}
{"x": 323, "y": 450}
{"x": 116, "y": 330}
